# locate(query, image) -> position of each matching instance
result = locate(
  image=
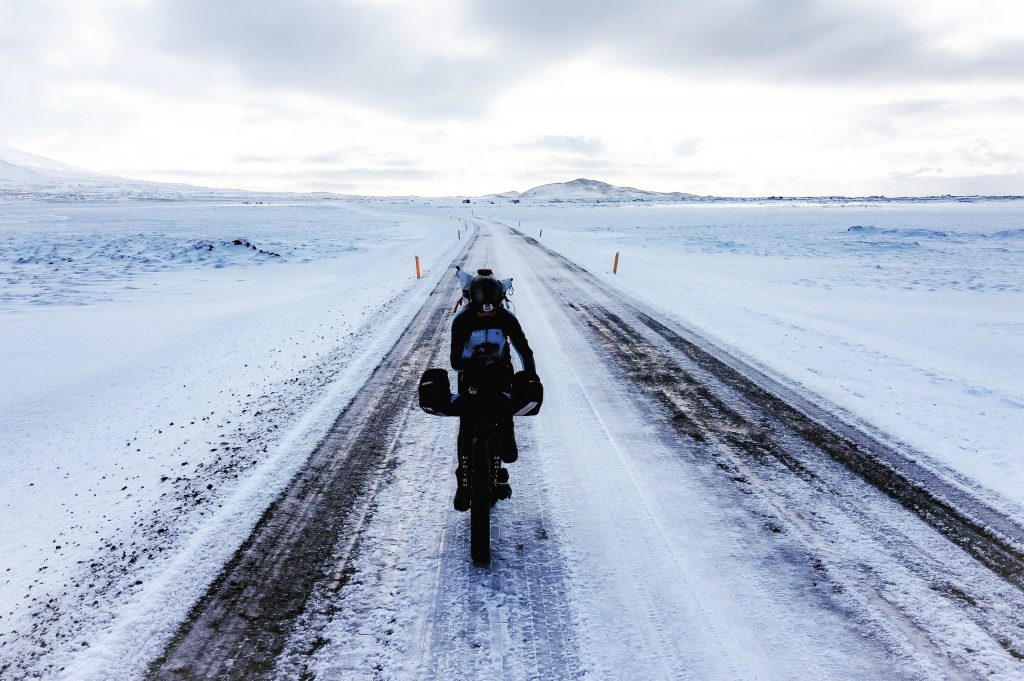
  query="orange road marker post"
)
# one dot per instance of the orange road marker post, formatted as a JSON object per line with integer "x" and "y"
{"x": 615, "y": 267}
{"x": 417, "y": 267}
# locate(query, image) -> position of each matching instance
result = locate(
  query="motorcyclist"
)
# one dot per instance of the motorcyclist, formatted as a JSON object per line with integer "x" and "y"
{"x": 481, "y": 336}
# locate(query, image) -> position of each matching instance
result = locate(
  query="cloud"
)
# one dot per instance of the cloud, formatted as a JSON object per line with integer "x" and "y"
{"x": 450, "y": 59}
{"x": 800, "y": 40}
{"x": 985, "y": 154}
{"x": 585, "y": 146}
{"x": 261, "y": 159}
{"x": 1004, "y": 184}
{"x": 364, "y": 174}
{"x": 363, "y": 52}
{"x": 319, "y": 186}
{"x": 328, "y": 157}
{"x": 688, "y": 147}
{"x": 313, "y": 174}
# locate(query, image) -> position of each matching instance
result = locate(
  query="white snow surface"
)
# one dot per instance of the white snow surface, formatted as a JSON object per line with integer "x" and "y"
{"x": 160, "y": 384}
{"x": 908, "y": 317}
{"x": 167, "y": 366}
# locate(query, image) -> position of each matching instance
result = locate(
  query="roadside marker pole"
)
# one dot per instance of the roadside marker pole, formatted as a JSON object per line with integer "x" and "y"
{"x": 460, "y": 234}
{"x": 418, "y": 266}
{"x": 615, "y": 267}
{"x": 541, "y": 233}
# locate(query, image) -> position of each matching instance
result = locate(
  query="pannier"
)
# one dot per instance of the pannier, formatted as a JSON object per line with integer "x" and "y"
{"x": 436, "y": 395}
{"x": 527, "y": 394}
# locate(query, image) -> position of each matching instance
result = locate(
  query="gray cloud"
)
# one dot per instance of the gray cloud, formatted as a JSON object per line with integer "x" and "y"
{"x": 985, "y": 185}
{"x": 261, "y": 159}
{"x": 319, "y": 186}
{"x": 781, "y": 41}
{"x": 350, "y": 50}
{"x": 327, "y": 174}
{"x": 891, "y": 119}
{"x": 326, "y": 157}
{"x": 396, "y": 161}
{"x": 359, "y": 52}
{"x": 916, "y": 107}
{"x": 688, "y": 147}
{"x": 364, "y": 174}
{"x": 988, "y": 155}
{"x": 585, "y": 146}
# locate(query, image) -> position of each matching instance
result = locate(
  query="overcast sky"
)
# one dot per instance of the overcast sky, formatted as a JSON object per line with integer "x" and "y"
{"x": 444, "y": 97}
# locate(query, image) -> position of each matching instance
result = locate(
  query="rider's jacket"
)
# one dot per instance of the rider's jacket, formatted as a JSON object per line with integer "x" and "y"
{"x": 483, "y": 340}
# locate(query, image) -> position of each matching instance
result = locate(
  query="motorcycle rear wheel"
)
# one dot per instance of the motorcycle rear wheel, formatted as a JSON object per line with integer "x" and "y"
{"x": 480, "y": 507}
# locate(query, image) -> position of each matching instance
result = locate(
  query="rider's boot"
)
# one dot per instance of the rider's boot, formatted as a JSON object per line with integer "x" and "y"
{"x": 462, "y": 499}
{"x": 509, "y": 450}
{"x": 501, "y": 491}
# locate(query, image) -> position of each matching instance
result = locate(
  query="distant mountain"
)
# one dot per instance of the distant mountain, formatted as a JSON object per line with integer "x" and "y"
{"x": 583, "y": 189}
{"x": 17, "y": 167}
{"x": 29, "y": 177}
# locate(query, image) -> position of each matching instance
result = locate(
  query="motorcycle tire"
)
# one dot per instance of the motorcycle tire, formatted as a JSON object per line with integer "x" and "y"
{"x": 480, "y": 507}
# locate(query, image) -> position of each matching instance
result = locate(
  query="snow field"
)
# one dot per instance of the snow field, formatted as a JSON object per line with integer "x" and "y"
{"x": 162, "y": 382}
{"x": 148, "y": 425}
{"x": 909, "y": 317}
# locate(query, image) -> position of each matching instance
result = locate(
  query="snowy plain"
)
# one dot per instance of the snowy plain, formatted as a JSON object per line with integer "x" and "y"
{"x": 907, "y": 316}
{"x": 168, "y": 365}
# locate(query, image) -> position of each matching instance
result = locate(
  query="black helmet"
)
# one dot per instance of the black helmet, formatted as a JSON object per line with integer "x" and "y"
{"x": 485, "y": 292}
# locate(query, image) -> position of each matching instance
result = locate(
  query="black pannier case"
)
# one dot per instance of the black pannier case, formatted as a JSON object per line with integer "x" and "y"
{"x": 527, "y": 394}
{"x": 436, "y": 395}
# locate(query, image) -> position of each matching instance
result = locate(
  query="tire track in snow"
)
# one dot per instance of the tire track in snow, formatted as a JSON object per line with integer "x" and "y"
{"x": 510, "y": 619}
{"x": 988, "y": 534}
{"x": 719, "y": 402}
{"x": 660, "y": 642}
{"x": 241, "y": 625}
{"x": 413, "y": 604}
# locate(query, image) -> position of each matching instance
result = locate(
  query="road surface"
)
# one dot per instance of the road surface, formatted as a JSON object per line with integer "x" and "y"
{"x": 677, "y": 514}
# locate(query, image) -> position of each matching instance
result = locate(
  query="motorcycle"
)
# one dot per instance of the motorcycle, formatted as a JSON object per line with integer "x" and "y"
{"x": 483, "y": 403}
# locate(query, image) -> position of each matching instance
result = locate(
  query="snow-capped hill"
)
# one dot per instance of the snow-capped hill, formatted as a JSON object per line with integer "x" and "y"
{"x": 582, "y": 189}
{"x": 22, "y": 168}
{"x": 25, "y": 176}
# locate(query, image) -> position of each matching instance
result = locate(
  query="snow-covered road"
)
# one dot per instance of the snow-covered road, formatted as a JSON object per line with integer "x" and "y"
{"x": 639, "y": 543}
{"x": 676, "y": 514}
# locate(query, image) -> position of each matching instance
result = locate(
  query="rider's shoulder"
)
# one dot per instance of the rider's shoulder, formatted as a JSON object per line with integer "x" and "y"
{"x": 508, "y": 315}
